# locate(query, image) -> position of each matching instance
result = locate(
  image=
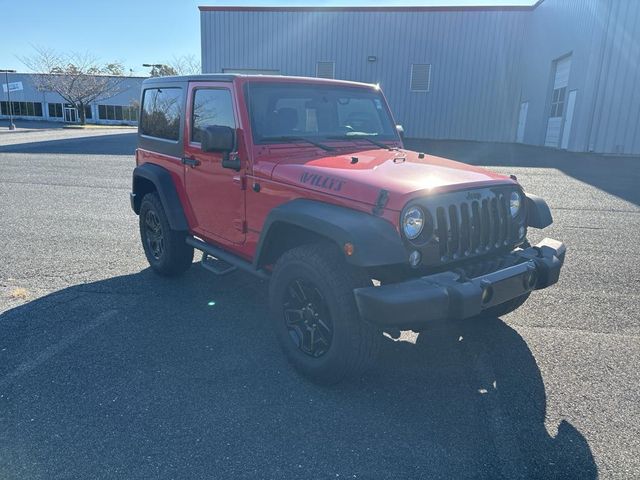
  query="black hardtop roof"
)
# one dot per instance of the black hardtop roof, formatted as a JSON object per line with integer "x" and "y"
{"x": 229, "y": 77}
{"x": 212, "y": 77}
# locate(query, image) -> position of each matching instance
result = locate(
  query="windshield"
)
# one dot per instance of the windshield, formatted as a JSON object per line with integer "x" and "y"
{"x": 314, "y": 111}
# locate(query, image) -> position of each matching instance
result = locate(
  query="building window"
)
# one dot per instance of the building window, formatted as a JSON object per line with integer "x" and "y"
{"x": 325, "y": 69}
{"x": 87, "y": 112}
{"x": 161, "y": 113}
{"x": 211, "y": 107}
{"x": 420, "y": 77}
{"x": 55, "y": 110}
{"x": 118, "y": 112}
{"x": 557, "y": 102}
{"x": 22, "y": 109}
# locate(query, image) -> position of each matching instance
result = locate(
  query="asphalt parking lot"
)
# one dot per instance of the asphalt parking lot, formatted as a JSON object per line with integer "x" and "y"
{"x": 109, "y": 371}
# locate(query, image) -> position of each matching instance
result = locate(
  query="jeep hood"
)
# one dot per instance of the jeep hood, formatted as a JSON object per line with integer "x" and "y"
{"x": 402, "y": 173}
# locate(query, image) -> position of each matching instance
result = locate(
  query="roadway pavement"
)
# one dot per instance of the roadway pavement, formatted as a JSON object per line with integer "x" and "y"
{"x": 108, "y": 371}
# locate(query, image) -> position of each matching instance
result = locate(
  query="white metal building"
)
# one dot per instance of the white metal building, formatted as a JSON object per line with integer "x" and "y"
{"x": 30, "y": 104}
{"x": 561, "y": 73}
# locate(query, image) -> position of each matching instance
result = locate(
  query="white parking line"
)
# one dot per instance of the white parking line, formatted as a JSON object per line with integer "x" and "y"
{"x": 55, "y": 349}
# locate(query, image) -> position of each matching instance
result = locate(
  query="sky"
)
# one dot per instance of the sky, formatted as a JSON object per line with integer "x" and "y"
{"x": 135, "y": 31}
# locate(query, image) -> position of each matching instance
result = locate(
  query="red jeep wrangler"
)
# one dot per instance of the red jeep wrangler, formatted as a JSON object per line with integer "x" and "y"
{"x": 305, "y": 182}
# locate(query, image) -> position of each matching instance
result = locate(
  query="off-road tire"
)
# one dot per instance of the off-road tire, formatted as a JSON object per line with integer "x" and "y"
{"x": 176, "y": 256}
{"x": 354, "y": 343}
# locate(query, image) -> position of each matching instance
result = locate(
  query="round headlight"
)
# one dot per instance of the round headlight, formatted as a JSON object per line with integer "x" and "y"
{"x": 412, "y": 222}
{"x": 515, "y": 204}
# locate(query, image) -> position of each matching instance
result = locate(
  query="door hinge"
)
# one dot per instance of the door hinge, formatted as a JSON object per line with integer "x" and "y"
{"x": 240, "y": 225}
{"x": 241, "y": 180}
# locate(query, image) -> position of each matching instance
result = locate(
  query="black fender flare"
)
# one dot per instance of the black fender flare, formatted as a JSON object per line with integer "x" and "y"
{"x": 375, "y": 240}
{"x": 161, "y": 178}
{"x": 538, "y": 213}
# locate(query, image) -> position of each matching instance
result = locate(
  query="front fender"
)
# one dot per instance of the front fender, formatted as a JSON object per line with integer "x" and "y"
{"x": 376, "y": 241}
{"x": 538, "y": 213}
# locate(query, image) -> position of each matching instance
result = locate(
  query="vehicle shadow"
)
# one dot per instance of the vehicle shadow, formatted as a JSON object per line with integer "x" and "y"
{"x": 617, "y": 175}
{"x": 107, "y": 144}
{"x": 183, "y": 379}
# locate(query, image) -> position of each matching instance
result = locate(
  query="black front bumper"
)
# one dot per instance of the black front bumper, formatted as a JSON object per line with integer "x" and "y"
{"x": 452, "y": 295}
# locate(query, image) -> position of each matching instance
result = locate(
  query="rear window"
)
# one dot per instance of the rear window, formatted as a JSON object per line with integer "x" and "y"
{"x": 161, "y": 112}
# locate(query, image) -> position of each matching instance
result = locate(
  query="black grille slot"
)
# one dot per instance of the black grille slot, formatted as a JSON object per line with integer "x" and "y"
{"x": 485, "y": 226}
{"x": 454, "y": 238}
{"x": 472, "y": 227}
{"x": 476, "y": 225}
{"x": 503, "y": 214}
{"x": 465, "y": 230}
{"x": 442, "y": 230}
{"x": 495, "y": 223}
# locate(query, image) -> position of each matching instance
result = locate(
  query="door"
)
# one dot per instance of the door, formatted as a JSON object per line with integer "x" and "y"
{"x": 558, "y": 102}
{"x": 522, "y": 121}
{"x": 70, "y": 115}
{"x": 568, "y": 119}
{"x": 215, "y": 193}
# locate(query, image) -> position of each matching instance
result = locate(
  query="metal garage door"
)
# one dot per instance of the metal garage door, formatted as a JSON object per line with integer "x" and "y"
{"x": 558, "y": 102}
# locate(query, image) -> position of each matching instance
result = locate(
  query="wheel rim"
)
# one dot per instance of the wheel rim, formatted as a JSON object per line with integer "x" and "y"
{"x": 307, "y": 318}
{"x": 153, "y": 234}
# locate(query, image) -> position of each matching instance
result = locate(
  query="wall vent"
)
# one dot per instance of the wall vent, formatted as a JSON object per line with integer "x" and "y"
{"x": 420, "y": 77}
{"x": 325, "y": 69}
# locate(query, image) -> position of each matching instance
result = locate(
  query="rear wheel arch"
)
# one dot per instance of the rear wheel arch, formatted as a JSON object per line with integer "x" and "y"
{"x": 141, "y": 186}
{"x": 150, "y": 175}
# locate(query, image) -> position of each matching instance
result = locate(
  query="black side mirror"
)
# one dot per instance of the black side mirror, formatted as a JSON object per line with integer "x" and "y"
{"x": 216, "y": 138}
{"x": 400, "y": 130}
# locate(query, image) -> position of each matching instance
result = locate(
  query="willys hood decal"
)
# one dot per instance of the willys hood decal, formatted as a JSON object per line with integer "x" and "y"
{"x": 361, "y": 176}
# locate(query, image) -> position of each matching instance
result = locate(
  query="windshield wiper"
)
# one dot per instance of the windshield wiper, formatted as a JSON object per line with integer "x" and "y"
{"x": 361, "y": 137}
{"x": 295, "y": 138}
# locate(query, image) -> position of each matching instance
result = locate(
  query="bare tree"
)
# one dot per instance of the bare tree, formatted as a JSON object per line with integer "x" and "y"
{"x": 179, "y": 65}
{"x": 79, "y": 78}
{"x": 186, "y": 65}
{"x": 162, "y": 70}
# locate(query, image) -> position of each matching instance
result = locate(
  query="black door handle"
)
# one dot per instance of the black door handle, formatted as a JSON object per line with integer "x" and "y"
{"x": 192, "y": 162}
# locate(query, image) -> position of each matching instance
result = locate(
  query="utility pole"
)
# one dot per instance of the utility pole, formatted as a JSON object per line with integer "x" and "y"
{"x": 9, "y": 106}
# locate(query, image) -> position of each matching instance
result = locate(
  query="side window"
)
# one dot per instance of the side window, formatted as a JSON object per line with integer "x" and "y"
{"x": 211, "y": 107}
{"x": 161, "y": 111}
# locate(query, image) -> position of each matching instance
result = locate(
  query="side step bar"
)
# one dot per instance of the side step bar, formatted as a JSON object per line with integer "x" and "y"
{"x": 215, "y": 265}
{"x": 231, "y": 259}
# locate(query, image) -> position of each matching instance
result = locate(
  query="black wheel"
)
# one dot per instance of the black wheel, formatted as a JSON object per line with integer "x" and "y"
{"x": 506, "y": 307}
{"x": 315, "y": 316}
{"x": 165, "y": 249}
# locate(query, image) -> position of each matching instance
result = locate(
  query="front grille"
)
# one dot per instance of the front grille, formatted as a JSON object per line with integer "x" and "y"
{"x": 472, "y": 227}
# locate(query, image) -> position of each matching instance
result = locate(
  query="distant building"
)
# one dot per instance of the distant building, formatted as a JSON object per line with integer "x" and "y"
{"x": 30, "y": 104}
{"x": 561, "y": 73}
